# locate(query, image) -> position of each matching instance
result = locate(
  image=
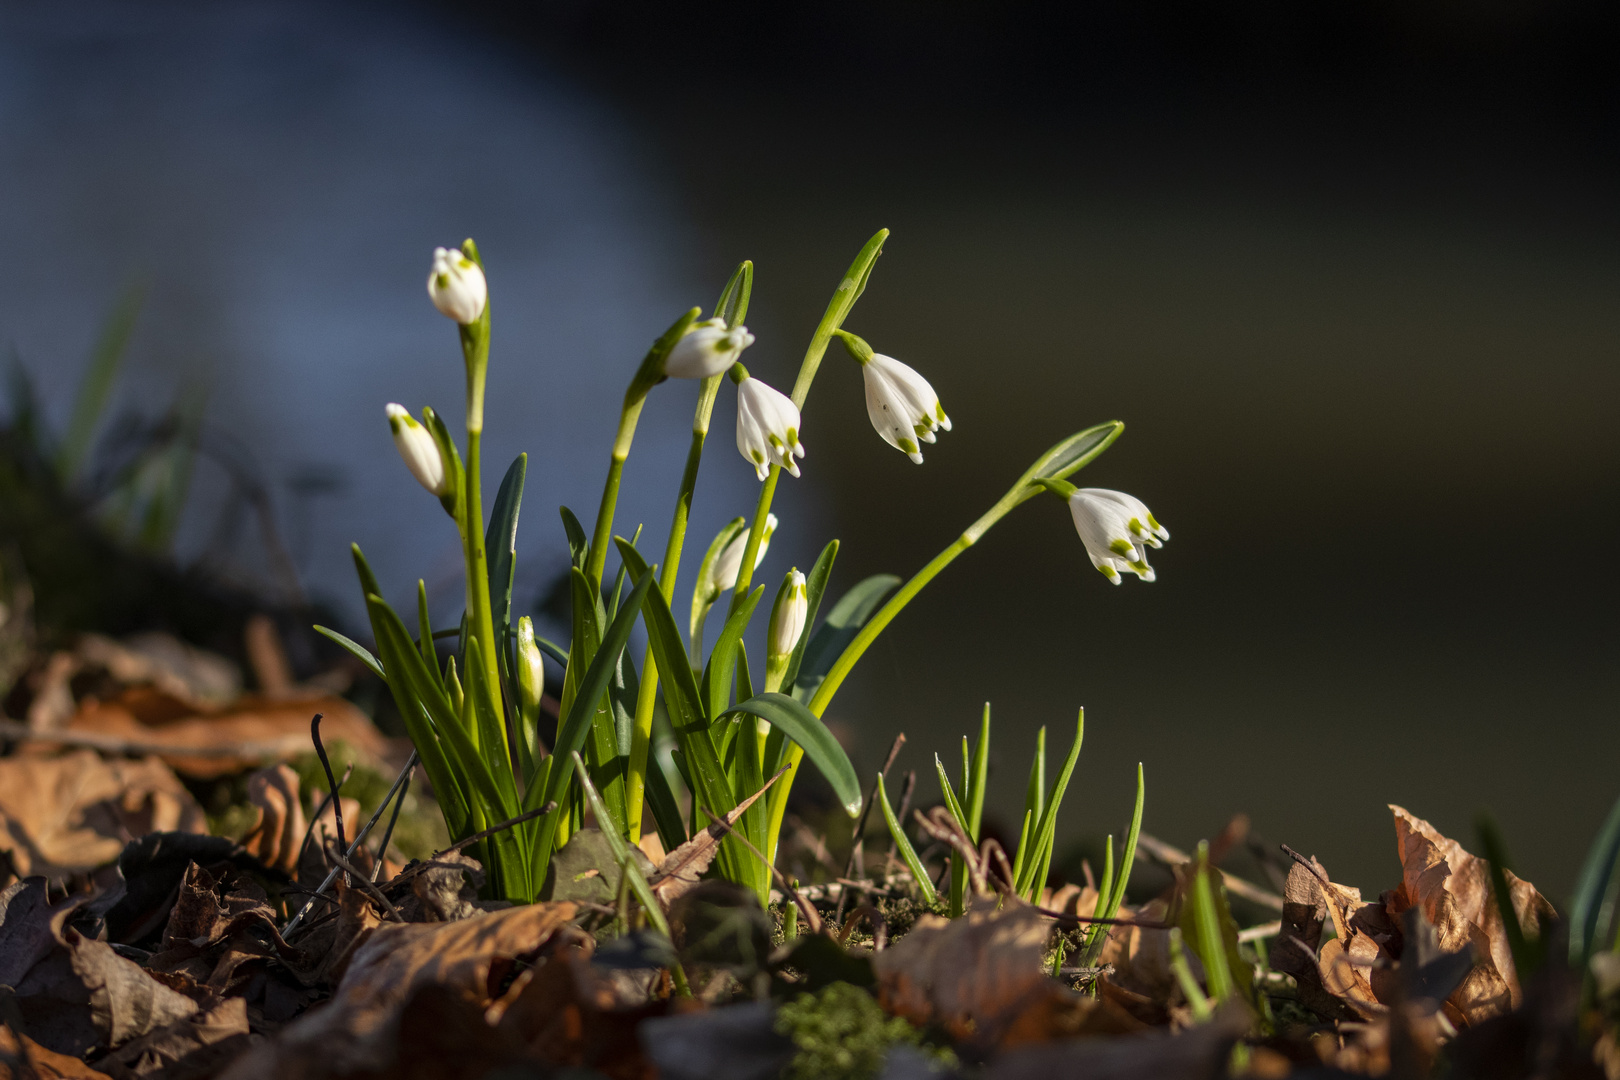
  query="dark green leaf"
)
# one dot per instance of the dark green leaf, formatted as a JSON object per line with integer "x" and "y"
{"x": 805, "y": 728}
{"x": 579, "y": 545}
{"x": 500, "y": 546}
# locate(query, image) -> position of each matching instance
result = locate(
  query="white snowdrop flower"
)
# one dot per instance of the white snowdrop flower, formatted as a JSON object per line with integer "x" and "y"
{"x": 723, "y": 574}
{"x": 708, "y": 348}
{"x": 901, "y": 405}
{"x": 787, "y": 621}
{"x": 1144, "y": 527}
{"x": 1117, "y": 531}
{"x": 767, "y": 426}
{"x": 457, "y": 286}
{"x": 417, "y": 447}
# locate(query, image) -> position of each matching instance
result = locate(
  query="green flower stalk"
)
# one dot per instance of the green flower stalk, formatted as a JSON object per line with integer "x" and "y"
{"x": 730, "y": 310}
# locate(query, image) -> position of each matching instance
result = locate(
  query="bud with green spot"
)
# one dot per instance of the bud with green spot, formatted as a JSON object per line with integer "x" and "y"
{"x": 419, "y": 450}
{"x": 456, "y": 285}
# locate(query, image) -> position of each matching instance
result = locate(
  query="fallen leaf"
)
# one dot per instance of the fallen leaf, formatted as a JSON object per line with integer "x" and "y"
{"x": 568, "y": 1012}
{"x": 151, "y": 870}
{"x": 1294, "y": 950}
{"x": 679, "y": 871}
{"x": 1140, "y": 955}
{"x": 585, "y": 870}
{"x": 973, "y": 975}
{"x": 75, "y": 994}
{"x": 1454, "y": 890}
{"x": 443, "y": 890}
{"x": 1200, "y": 1053}
{"x": 243, "y": 735}
{"x": 67, "y": 815}
{"x": 278, "y": 830}
{"x": 47, "y": 1064}
{"x": 188, "y": 1049}
{"x": 358, "y": 1029}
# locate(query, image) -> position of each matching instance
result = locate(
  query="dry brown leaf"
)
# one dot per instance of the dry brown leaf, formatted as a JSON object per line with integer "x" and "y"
{"x": 75, "y": 994}
{"x": 279, "y": 828}
{"x": 1294, "y": 950}
{"x": 197, "y": 1046}
{"x": 357, "y": 1030}
{"x": 247, "y": 733}
{"x": 678, "y": 873}
{"x": 47, "y": 1064}
{"x": 70, "y": 814}
{"x": 567, "y": 1012}
{"x": 1140, "y": 955}
{"x": 445, "y": 890}
{"x": 1454, "y": 890}
{"x": 1200, "y": 1053}
{"x": 973, "y": 974}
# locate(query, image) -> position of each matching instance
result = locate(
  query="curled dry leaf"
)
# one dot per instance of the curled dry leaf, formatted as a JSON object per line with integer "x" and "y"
{"x": 357, "y": 1031}
{"x": 279, "y": 828}
{"x": 75, "y": 994}
{"x": 1454, "y": 890}
{"x": 679, "y": 871}
{"x": 68, "y": 815}
{"x": 980, "y": 978}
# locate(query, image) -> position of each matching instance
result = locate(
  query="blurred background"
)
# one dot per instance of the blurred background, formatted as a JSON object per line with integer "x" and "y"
{"x": 1347, "y": 270}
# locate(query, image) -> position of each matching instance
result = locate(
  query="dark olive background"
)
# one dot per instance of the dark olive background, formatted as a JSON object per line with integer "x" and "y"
{"x": 1349, "y": 274}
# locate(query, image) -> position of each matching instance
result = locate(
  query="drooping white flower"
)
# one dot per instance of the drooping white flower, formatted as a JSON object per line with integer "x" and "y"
{"x": 457, "y": 286}
{"x": 901, "y": 405}
{"x": 787, "y": 621}
{"x": 1117, "y": 530}
{"x": 723, "y": 574}
{"x": 767, "y": 427}
{"x": 708, "y": 348}
{"x": 416, "y": 446}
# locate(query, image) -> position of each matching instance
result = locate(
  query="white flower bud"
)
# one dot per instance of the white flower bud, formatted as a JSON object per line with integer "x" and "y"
{"x": 457, "y": 286}
{"x": 901, "y": 405}
{"x": 531, "y": 669}
{"x": 707, "y": 349}
{"x": 787, "y": 621}
{"x": 417, "y": 447}
{"x": 767, "y": 427}
{"x": 723, "y": 574}
{"x": 1117, "y": 530}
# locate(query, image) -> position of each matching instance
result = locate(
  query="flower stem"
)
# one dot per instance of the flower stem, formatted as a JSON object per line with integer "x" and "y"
{"x": 647, "y": 695}
{"x": 603, "y": 532}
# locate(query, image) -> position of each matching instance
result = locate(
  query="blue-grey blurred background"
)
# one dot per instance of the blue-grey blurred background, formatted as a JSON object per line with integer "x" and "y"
{"x": 1348, "y": 271}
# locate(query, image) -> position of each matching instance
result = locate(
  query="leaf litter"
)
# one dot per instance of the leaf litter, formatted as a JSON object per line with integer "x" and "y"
{"x": 133, "y": 944}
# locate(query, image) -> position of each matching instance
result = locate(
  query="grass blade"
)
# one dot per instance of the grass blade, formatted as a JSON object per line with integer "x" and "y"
{"x": 908, "y": 854}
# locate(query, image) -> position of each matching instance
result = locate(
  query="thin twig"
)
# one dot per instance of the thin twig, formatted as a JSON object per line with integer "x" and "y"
{"x": 1065, "y": 917}
{"x": 943, "y": 827}
{"x": 337, "y": 803}
{"x": 315, "y": 818}
{"x": 992, "y": 846}
{"x": 527, "y": 815}
{"x": 399, "y": 804}
{"x": 399, "y": 781}
{"x": 811, "y": 916}
{"x": 351, "y": 873}
{"x": 1153, "y": 847}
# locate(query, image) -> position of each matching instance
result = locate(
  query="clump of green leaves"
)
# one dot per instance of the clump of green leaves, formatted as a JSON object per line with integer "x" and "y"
{"x": 840, "y": 1033}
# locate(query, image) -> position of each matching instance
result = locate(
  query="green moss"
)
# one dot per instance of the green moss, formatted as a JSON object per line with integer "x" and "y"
{"x": 841, "y": 1033}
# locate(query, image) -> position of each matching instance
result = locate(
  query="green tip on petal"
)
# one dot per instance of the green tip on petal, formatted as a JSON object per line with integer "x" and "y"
{"x": 1122, "y": 548}
{"x": 908, "y": 446}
